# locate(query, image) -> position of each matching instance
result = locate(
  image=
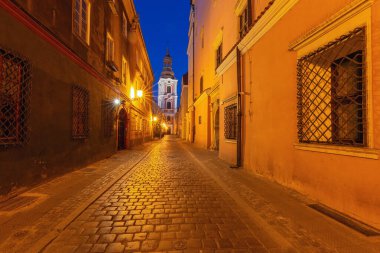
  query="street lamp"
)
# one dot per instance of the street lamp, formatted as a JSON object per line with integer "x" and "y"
{"x": 116, "y": 101}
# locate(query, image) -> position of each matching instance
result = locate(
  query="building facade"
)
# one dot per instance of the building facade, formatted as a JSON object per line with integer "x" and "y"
{"x": 167, "y": 93}
{"x": 182, "y": 115}
{"x": 73, "y": 75}
{"x": 295, "y": 88}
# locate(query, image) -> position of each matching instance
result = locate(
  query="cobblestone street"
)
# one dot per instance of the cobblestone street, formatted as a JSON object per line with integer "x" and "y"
{"x": 165, "y": 204}
{"x": 168, "y": 196}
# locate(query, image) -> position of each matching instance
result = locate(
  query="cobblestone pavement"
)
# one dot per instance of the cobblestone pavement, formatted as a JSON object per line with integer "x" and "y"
{"x": 24, "y": 229}
{"x": 165, "y": 204}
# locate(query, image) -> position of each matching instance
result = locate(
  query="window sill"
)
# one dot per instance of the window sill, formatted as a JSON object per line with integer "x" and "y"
{"x": 81, "y": 40}
{"x": 368, "y": 153}
{"x": 230, "y": 141}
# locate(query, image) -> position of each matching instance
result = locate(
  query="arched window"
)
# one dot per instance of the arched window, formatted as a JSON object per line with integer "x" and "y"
{"x": 169, "y": 89}
{"x": 168, "y": 105}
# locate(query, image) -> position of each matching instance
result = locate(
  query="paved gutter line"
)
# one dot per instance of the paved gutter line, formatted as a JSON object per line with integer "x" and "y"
{"x": 42, "y": 243}
{"x": 283, "y": 244}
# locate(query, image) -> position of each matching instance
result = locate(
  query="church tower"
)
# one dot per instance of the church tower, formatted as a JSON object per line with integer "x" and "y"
{"x": 167, "y": 92}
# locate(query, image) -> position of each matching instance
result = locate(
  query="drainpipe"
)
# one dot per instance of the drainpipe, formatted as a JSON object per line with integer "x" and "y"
{"x": 239, "y": 108}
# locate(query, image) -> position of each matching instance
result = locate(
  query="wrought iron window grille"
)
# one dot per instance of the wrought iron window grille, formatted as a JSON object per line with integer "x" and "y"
{"x": 15, "y": 89}
{"x": 80, "y": 111}
{"x": 230, "y": 122}
{"x": 332, "y": 92}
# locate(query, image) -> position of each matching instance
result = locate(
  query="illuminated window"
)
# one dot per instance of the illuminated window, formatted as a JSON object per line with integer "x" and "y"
{"x": 331, "y": 92}
{"x": 124, "y": 69}
{"x": 110, "y": 51}
{"x": 80, "y": 113}
{"x": 15, "y": 86}
{"x": 125, "y": 26}
{"x": 81, "y": 19}
{"x": 219, "y": 55}
{"x": 230, "y": 122}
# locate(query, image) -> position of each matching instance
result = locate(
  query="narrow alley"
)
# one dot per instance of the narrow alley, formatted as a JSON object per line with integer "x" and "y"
{"x": 190, "y": 126}
{"x": 170, "y": 197}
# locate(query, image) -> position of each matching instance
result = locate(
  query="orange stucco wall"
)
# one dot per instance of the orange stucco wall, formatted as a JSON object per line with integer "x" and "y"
{"x": 346, "y": 183}
{"x": 349, "y": 184}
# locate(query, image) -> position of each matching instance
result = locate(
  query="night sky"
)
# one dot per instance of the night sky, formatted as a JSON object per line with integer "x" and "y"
{"x": 165, "y": 24}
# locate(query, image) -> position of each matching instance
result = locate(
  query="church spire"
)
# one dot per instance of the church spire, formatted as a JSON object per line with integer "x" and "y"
{"x": 167, "y": 71}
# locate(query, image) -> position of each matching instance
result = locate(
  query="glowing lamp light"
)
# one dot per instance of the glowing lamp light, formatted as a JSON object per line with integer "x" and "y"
{"x": 139, "y": 93}
{"x": 117, "y": 102}
{"x": 132, "y": 93}
{"x": 154, "y": 118}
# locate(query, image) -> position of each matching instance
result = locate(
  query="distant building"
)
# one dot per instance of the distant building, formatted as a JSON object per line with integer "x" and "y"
{"x": 182, "y": 115}
{"x": 167, "y": 93}
{"x": 73, "y": 81}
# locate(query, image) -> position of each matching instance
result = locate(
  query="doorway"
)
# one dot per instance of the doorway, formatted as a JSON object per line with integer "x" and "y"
{"x": 122, "y": 130}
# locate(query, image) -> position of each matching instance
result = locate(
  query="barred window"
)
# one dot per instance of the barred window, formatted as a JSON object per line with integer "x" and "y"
{"x": 230, "y": 122}
{"x": 331, "y": 93}
{"x": 201, "y": 84}
{"x": 15, "y": 85}
{"x": 80, "y": 112}
{"x": 108, "y": 116}
{"x": 219, "y": 55}
{"x": 81, "y": 19}
{"x": 245, "y": 20}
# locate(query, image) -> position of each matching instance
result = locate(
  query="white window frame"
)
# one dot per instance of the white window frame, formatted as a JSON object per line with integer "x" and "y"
{"x": 110, "y": 48}
{"x": 78, "y": 32}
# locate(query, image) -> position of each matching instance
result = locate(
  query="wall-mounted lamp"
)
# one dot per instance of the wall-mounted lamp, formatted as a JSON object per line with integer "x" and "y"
{"x": 116, "y": 101}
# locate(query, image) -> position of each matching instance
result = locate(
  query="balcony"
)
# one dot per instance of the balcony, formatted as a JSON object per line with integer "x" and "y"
{"x": 169, "y": 110}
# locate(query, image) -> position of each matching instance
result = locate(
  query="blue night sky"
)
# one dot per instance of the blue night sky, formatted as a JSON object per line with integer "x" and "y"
{"x": 165, "y": 25}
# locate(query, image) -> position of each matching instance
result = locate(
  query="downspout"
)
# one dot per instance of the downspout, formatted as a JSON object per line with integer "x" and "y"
{"x": 239, "y": 109}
